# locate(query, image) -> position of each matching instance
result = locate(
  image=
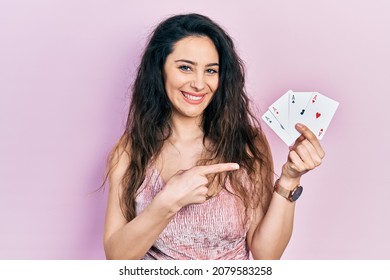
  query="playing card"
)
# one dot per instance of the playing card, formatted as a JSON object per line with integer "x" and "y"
{"x": 280, "y": 109}
{"x": 298, "y": 102}
{"x": 310, "y": 108}
{"x": 274, "y": 124}
{"x": 318, "y": 114}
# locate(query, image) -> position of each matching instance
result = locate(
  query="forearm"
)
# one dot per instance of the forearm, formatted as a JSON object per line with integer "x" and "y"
{"x": 272, "y": 235}
{"x": 134, "y": 239}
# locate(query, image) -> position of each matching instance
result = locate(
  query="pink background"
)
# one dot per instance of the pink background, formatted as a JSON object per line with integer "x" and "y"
{"x": 65, "y": 67}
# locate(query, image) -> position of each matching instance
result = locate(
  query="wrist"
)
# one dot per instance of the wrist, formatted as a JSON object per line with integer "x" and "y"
{"x": 291, "y": 194}
{"x": 165, "y": 204}
{"x": 288, "y": 183}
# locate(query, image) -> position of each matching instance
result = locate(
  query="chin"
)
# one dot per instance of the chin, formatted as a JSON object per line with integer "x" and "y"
{"x": 187, "y": 114}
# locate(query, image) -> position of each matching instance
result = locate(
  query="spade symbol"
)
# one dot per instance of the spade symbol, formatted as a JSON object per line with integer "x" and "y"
{"x": 303, "y": 111}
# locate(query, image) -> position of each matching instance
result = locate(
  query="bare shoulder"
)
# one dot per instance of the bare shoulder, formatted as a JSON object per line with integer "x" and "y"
{"x": 118, "y": 162}
{"x": 117, "y": 165}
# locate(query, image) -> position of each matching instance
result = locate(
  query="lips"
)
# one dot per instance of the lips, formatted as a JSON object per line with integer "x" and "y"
{"x": 193, "y": 98}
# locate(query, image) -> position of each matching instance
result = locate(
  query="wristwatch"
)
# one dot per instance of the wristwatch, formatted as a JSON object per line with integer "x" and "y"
{"x": 291, "y": 195}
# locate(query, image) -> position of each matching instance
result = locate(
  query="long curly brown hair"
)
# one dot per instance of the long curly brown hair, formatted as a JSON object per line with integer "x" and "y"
{"x": 228, "y": 122}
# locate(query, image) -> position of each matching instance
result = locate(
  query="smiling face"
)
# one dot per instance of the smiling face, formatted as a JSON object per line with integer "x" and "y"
{"x": 191, "y": 76}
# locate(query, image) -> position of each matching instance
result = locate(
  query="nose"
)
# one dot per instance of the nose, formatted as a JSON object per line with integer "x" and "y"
{"x": 198, "y": 82}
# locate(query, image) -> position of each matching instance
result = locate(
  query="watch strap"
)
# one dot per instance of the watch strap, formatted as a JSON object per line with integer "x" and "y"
{"x": 286, "y": 193}
{"x": 282, "y": 191}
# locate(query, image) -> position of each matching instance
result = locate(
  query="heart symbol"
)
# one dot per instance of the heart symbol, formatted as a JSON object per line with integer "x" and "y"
{"x": 318, "y": 115}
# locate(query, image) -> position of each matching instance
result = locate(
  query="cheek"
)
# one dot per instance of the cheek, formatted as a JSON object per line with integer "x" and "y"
{"x": 174, "y": 81}
{"x": 214, "y": 84}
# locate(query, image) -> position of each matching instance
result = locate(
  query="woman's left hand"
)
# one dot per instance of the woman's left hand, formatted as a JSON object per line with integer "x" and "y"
{"x": 305, "y": 155}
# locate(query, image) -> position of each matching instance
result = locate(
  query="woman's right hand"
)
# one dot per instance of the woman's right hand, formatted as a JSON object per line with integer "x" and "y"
{"x": 189, "y": 186}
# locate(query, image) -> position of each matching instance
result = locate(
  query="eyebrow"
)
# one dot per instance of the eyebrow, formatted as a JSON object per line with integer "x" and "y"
{"x": 195, "y": 63}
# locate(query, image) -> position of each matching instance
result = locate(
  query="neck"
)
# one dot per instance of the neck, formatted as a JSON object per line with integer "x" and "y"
{"x": 185, "y": 129}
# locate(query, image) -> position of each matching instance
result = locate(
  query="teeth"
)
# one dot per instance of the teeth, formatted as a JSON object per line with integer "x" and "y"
{"x": 191, "y": 97}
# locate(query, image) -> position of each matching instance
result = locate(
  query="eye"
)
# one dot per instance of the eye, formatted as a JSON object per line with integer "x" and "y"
{"x": 211, "y": 71}
{"x": 185, "y": 68}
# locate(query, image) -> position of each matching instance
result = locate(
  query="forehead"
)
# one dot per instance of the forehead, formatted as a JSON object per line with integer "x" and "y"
{"x": 195, "y": 48}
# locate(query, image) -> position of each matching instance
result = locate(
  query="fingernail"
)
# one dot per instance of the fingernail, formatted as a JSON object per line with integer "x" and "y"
{"x": 299, "y": 126}
{"x": 236, "y": 166}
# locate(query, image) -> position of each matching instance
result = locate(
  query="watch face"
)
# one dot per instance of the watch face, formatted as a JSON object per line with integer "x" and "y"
{"x": 296, "y": 193}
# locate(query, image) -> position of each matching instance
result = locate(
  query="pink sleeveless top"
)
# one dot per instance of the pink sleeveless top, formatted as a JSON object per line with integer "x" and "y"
{"x": 212, "y": 230}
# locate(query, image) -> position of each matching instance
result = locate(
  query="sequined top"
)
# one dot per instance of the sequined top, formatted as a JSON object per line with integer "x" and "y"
{"x": 215, "y": 229}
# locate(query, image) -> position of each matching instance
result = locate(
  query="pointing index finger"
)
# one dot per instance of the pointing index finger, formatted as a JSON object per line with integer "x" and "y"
{"x": 218, "y": 168}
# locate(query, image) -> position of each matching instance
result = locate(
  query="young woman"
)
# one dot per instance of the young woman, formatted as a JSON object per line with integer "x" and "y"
{"x": 192, "y": 175}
